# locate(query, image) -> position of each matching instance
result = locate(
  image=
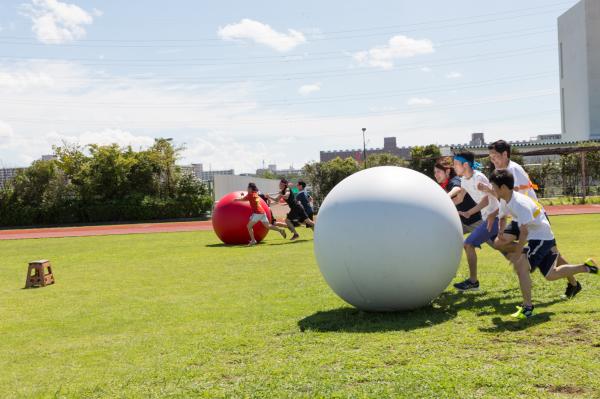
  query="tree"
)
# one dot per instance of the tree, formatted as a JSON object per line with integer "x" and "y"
{"x": 323, "y": 176}
{"x": 267, "y": 174}
{"x": 103, "y": 183}
{"x": 545, "y": 176}
{"x": 422, "y": 159}
{"x": 385, "y": 159}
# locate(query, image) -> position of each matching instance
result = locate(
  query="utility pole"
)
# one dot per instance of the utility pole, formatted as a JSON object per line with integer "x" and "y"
{"x": 364, "y": 129}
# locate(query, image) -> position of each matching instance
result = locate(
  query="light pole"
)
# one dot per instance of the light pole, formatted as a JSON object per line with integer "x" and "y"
{"x": 364, "y": 129}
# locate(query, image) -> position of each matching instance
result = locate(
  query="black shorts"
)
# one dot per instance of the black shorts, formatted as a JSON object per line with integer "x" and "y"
{"x": 541, "y": 255}
{"x": 297, "y": 214}
{"x": 513, "y": 229}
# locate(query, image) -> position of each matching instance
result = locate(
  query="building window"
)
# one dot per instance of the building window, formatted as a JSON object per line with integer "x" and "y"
{"x": 560, "y": 60}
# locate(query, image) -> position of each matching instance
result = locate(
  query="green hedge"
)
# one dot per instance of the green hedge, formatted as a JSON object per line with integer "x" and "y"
{"x": 148, "y": 208}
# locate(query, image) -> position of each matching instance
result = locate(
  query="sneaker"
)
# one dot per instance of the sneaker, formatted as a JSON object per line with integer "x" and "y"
{"x": 283, "y": 233}
{"x": 294, "y": 237}
{"x": 592, "y": 266}
{"x": 467, "y": 285}
{"x": 252, "y": 243}
{"x": 572, "y": 290}
{"x": 523, "y": 312}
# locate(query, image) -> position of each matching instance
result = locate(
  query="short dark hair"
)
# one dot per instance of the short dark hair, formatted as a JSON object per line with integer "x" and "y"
{"x": 468, "y": 155}
{"x": 445, "y": 163}
{"x": 502, "y": 177}
{"x": 500, "y": 146}
{"x": 302, "y": 184}
{"x": 252, "y": 186}
{"x": 284, "y": 181}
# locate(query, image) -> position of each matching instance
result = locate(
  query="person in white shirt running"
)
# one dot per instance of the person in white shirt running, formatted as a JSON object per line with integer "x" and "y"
{"x": 500, "y": 152}
{"x": 465, "y": 167}
{"x": 536, "y": 246}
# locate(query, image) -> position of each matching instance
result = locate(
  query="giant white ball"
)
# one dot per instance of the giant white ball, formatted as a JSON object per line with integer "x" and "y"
{"x": 388, "y": 239}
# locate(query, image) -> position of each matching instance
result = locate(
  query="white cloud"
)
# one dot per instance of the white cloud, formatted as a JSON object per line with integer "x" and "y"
{"x": 219, "y": 150}
{"x": 21, "y": 81}
{"x": 419, "y": 101}
{"x": 306, "y": 90}
{"x": 6, "y": 134}
{"x": 221, "y": 125}
{"x": 103, "y": 137}
{"x": 287, "y": 140}
{"x": 258, "y": 32}
{"x": 454, "y": 75}
{"x": 41, "y": 75}
{"x": 55, "y": 22}
{"x": 425, "y": 69}
{"x": 398, "y": 47}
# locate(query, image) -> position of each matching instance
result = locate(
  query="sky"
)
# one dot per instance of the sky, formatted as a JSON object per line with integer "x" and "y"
{"x": 242, "y": 84}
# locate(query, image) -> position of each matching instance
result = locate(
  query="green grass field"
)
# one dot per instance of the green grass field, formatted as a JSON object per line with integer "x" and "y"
{"x": 179, "y": 315}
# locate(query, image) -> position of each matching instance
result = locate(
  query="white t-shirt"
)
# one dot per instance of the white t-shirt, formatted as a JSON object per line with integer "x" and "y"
{"x": 470, "y": 186}
{"x": 521, "y": 179}
{"x": 524, "y": 210}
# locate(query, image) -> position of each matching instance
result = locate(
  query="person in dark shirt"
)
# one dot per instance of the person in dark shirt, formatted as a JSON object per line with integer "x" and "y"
{"x": 305, "y": 199}
{"x": 450, "y": 182}
{"x": 296, "y": 212}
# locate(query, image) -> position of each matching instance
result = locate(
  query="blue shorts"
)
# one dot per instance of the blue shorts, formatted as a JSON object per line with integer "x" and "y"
{"x": 481, "y": 234}
{"x": 541, "y": 255}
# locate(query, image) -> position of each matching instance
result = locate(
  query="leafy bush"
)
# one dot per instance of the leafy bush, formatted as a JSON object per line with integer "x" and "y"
{"x": 103, "y": 184}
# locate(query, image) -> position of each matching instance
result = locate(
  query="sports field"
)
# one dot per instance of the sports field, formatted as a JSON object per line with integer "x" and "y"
{"x": 181, "y": 315}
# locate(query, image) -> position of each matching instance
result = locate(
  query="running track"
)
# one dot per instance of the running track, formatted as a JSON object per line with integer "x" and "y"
{"x": 169, "y": 227}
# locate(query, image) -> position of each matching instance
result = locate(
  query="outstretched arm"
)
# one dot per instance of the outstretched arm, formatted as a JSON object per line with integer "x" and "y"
{"x": 482, "y": 204}
{"x": 457, "y": 194}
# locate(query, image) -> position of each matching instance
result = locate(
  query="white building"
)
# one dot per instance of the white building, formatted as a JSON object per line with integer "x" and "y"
{"x": 579, "y": 59}
{"x": 197, "y": 170}
{"x": 7, "y": 174}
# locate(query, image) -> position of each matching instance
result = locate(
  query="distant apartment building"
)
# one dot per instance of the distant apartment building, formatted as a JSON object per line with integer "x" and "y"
{"x": 197, "y": 170}
{"x": 579, "y": 70}
{"x": 272, "y": 168}
{"x": 7, "y": 174}
{"x": 389, "y": 147}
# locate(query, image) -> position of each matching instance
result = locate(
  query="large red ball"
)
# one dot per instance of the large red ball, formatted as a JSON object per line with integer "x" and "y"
{"x": 230, "y": 218}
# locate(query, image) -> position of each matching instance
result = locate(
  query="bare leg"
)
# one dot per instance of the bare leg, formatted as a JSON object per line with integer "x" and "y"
{"x": 275, "y": 228}
{"x": 309, "y": 223}
{"x": 562, "y": 270}
{"x": 290, "y": 226}
{"x": 521, "y": 265}
{"x": 506, "y": 245}
{"x": 562, "y": 261}
{"x": 472, "y": 261}
{"x": 251, "y": 231}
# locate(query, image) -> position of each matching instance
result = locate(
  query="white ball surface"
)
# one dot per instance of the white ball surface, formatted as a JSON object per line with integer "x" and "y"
{"x": 388, "y": 239}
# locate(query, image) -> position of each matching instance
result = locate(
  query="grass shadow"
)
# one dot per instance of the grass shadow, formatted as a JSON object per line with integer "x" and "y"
{"x": 297, "y": 241}
{"x": 501, "y": 325}
{"x": 349, "y": 319}
{"x": 442, "y": 309}
{"x": 222, "y": 245}
{"x": 503, "y": 304}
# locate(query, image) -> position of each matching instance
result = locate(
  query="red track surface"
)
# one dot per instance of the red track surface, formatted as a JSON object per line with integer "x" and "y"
{"x": 104, "y": 230}
{"x": 572, "y": 209}
{"x": 196, "y": 226}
